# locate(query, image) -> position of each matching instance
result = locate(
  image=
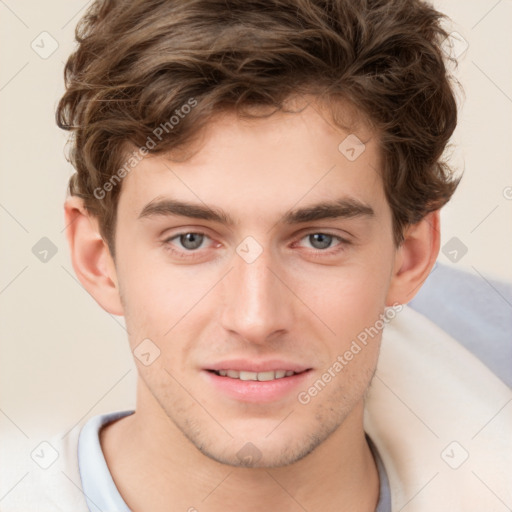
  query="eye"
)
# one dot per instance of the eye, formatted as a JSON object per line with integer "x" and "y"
{"x": 189, "y": 241}
{"x": 322, "y": 241}
{"x": 322, "y": 244}
{"x": 187, "y": 244}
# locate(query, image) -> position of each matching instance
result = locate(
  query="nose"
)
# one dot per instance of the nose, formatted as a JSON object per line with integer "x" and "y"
{"x": 259, "y": 306}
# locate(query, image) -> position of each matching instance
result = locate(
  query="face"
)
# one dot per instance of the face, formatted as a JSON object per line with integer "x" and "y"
{"x": 252, "y": 268}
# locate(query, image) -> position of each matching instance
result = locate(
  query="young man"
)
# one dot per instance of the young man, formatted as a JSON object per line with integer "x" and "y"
{"x": 257, "y": 192}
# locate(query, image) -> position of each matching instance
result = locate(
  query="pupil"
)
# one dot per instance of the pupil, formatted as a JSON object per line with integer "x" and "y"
{"x": 190, "y": 240}
{"x": 323, "y": 239}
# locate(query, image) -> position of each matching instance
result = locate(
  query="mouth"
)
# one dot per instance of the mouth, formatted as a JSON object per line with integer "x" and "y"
{"x": 256, "y": 376}
{"x": 267, "y": 383}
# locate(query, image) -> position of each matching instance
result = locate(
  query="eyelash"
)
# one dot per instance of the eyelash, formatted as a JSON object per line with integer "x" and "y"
{"x": 316, "y": 253}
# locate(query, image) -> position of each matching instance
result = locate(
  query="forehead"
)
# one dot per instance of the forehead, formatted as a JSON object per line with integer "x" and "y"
{"x": 254, "y": 164}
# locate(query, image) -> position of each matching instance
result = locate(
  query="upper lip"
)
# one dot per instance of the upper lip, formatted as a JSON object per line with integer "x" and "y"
{"x": 246, "y": 365}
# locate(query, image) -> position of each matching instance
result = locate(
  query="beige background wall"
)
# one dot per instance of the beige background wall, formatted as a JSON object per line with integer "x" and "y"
{"x": 62, "y": 357}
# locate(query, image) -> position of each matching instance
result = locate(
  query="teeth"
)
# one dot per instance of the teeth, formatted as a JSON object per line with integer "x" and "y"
{"x": 266, "y": 376}
{"x": 259, "y": 376}
{"x": 248, "y": 376}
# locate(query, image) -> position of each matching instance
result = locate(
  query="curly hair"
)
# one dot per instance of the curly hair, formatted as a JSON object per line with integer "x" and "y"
{"x": 140, "y": 65}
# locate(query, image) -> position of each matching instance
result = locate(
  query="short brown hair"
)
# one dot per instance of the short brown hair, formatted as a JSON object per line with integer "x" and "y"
{"x": 138, "y": 62}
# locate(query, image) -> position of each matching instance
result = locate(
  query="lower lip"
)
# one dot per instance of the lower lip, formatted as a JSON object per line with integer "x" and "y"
{"x": 257, "y": 391}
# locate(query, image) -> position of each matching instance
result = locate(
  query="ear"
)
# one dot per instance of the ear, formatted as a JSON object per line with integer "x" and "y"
{"x": 91, "y": 257}
{"x": 414, "y": 259}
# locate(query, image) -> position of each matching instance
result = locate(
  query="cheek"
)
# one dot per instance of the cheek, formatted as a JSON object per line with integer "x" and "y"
{"x": 160, "y": 300}
{"x": 353, "y": 304}
{"x": 348, "y": 298}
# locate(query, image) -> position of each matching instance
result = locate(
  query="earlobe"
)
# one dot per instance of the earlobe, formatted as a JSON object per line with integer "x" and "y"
{"x": 91, "y": 257}
{"x": 414, "y": 259}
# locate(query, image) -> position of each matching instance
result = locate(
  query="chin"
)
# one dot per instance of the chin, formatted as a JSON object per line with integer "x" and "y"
{"x": 268, "y": 449}
{"x": 252, "y": 456}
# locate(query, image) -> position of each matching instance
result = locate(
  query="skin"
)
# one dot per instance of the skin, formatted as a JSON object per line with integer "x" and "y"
{"x": 298, "y": 301}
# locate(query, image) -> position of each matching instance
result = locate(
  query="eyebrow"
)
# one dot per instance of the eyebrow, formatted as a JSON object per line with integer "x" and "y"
{"x": 345, "y": 207}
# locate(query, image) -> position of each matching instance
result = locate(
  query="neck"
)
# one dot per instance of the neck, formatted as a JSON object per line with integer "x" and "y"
{"x": 153, "y": 465}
